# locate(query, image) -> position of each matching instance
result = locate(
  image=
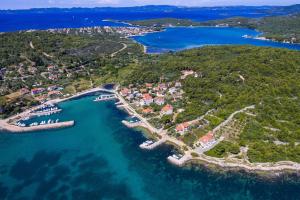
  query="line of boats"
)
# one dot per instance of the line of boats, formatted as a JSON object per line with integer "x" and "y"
{"x": 22, "y": 124}
{"x": 44, "y": 122}
{"x": 46, "y": 109}
{"x": 105, "y": 97}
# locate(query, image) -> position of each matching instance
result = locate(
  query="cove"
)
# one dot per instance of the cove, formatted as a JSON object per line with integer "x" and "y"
{"x": 99, "y": 158}
{"x": 180, "y": 38}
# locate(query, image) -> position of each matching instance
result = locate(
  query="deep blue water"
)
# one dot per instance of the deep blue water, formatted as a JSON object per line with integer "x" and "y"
{"x": 99, "y": 158}
{"x": 74, "y": 18}
{"x": 174, "y": 39}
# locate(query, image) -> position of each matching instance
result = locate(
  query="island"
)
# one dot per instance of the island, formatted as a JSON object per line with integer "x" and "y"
{"x": 229, "y": 106}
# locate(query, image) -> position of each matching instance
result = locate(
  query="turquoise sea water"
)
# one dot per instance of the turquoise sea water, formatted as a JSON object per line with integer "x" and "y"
{"x": 174, "y": 39}
{"x": 99, "y": 158}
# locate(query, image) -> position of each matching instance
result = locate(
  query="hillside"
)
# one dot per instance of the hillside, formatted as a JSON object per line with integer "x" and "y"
{"x": 229, "y": 79}
{"x": 279, "y": 28}
{"x": 73, "y": 59}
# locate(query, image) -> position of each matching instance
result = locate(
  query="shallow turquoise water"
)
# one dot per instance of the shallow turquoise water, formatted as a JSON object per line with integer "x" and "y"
{"x": 99, "y": 158}
{"x": 174, "y": 39}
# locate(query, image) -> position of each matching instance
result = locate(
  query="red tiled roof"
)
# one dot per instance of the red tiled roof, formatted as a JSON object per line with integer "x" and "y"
{"x": 167, "y": 108}
{"x": 208, "y": 137}
{"x": 147, "y": 110}
{"x": 182, "y": 126}
{"x": 147, "y": 96}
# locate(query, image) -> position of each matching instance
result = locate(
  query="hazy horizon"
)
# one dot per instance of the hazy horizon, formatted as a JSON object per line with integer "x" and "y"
{"x": 31, "y": 4}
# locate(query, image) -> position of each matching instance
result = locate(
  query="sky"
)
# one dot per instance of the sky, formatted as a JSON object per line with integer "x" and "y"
{"x": 25, "y": 4}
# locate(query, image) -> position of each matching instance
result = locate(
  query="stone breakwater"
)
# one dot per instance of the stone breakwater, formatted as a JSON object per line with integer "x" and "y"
{"x": 16, "y": 129}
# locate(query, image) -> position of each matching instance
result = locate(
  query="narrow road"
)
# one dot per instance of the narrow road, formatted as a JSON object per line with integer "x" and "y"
{"x": 122, "y": 49}
{"x": 31, "y": 45}
{"x": 201, "y": 150}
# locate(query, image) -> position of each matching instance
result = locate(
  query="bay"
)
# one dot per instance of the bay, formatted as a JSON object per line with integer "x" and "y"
{"x": 99, "y": 158}
{"x": 180, "y": 38}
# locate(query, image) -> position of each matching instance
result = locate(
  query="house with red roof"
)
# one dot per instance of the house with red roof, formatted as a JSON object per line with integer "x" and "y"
{"x": 146, "y": 100}
{"x": 207, "y": 139}
{"x": 147, "y": 110}
{"x": 182, "y": 128}
{"x": 167, "y": 110}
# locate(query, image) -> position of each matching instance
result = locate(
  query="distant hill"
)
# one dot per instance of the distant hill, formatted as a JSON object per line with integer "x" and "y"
{"x": 270, "y": 10}
{"x": 279, "y": 28}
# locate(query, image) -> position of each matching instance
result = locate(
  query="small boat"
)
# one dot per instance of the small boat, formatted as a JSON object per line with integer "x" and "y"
{"x": 149, "y": 142}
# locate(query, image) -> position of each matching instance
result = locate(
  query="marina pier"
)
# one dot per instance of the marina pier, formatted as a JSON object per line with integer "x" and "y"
{"x": 18, "y": 129}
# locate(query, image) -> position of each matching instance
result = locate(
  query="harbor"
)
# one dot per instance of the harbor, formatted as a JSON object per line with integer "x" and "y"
{"x": 18, "y": 123}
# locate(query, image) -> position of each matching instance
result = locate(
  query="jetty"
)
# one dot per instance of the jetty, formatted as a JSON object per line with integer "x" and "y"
{"x": 179, "y": 160}
{"x": 149, "y": 145}
{"x": 17, "y": 129}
